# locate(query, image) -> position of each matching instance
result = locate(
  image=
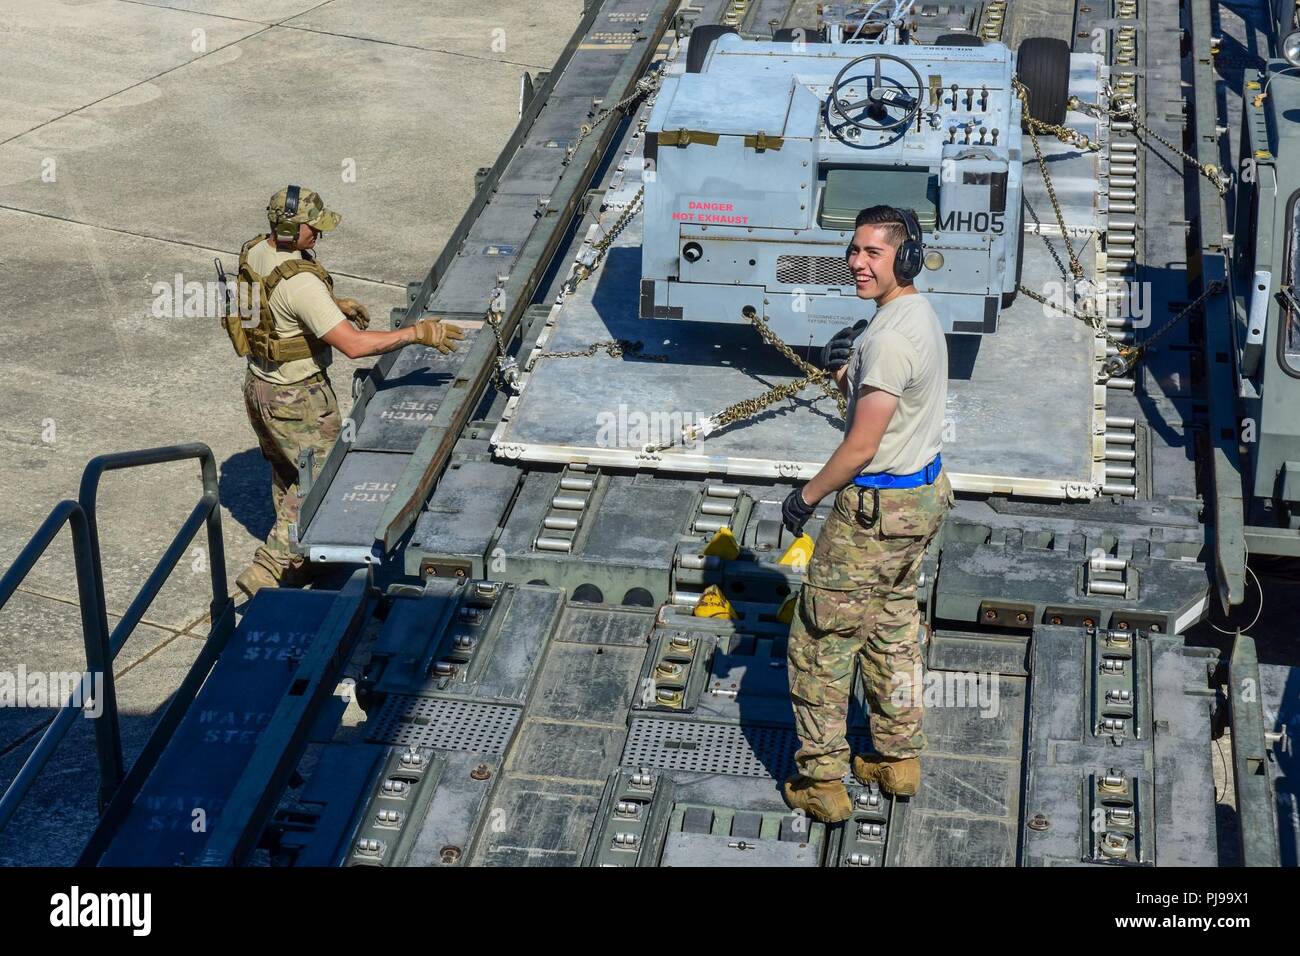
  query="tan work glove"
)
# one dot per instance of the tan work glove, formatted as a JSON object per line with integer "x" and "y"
{"x": 439, "y": 334}
{"x": 355, "y": 311}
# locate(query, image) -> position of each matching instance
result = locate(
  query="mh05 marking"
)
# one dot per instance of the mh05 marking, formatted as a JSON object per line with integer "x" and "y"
{"x": 988, "y": 222}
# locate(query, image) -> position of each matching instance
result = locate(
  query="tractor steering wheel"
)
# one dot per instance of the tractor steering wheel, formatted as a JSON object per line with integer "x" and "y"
{"x": 884, "y": 93}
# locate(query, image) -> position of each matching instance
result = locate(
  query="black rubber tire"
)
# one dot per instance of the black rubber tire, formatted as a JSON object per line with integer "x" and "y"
{"x": 959, "y": 39}
{"x": 787, "y": 35}
{"x": 1043, "y": 65}
{"x": 701, "y": 42}
{"x": 1009, "y": 297}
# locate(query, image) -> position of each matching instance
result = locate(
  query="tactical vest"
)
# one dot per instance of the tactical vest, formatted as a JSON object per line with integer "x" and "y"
{"x": 251, "y": 326}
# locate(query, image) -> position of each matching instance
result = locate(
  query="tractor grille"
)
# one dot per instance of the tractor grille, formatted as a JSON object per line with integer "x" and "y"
{"x": 813, "y": 270}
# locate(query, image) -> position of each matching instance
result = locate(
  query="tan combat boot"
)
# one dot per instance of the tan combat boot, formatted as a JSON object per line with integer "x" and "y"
{"x": 255, "y": 577}
{"x": 899, "y": 776}
{"x": 825, "y": 800}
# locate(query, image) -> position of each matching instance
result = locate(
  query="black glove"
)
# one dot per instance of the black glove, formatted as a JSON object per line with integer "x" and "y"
{"x": 837, "y": 352}
{"x": 795, "y": 512}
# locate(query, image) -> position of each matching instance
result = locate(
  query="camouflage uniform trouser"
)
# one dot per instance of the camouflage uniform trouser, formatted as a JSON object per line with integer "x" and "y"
{"x": 286, "y": 420}
{"x": 859, "y": 601}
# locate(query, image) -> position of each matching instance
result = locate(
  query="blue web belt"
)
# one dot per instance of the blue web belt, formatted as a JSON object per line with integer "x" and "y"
{"x": 926, "y": 476}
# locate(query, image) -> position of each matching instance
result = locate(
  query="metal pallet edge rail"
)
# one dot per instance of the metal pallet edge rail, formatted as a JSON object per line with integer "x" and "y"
{"x": 1256, "y": 801}
{"x": 435, "y": 445}
{"x": 1225, "y": 462}
{"x": 484, "y": 188}
{"x": 417, "y": 480}
{"x": 102, "y": 647}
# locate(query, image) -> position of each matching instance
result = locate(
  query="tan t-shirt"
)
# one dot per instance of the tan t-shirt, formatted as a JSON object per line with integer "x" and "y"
{"x": 297, "y": 302}
{"x": 904, "y": 353}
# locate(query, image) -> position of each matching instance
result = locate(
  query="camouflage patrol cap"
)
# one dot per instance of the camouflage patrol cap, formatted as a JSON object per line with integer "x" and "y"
{"x": 310, "y": 209}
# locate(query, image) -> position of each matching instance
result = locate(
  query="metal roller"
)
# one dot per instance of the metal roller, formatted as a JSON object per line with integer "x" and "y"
{"x": 1123, "y": 207}
{"x": 709, "y": 524}
{"x": 1121, "y": 454}
{"x": 1107, "y": 564}
{"x": 550, "y": 543}
{"x": 1120, "y": 471}
{"x": 1121, "y": 438}
{"x": 1107, "y": 587}
{"x": 1128, "y": 491}
{"x": 1120, "y": 421}
{"x": 574, "y": 483}
{"x": 1124, "y": 383}
{"x": 1121, "y": 194}
{"x": 685, "y": 597}
{"x": 718, "y": 508}
{"x": 569, "y": 502}
{"x": 560, "y": 523}
{"x": 698, "y": 562}
{"x": 722, "y": 491}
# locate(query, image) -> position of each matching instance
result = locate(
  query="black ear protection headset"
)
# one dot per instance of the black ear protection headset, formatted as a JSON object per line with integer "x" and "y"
{"x": 286, "y": 231}
{"x": 910, "y": 255}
